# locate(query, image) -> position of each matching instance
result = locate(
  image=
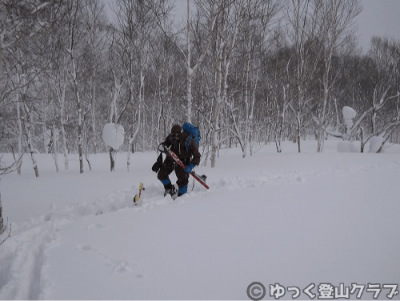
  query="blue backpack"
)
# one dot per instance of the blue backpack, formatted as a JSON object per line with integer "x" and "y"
{"x": 193, "y": 132}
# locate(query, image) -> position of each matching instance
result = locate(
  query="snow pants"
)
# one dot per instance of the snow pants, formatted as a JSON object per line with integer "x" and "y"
{"x": 166, "y": 169}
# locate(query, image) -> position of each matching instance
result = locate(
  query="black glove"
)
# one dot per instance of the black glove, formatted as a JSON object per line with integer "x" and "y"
{"x": 156, "y": 166}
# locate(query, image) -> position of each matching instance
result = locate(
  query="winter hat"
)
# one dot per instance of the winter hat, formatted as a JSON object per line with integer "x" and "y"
{"x": 176, "y": 129}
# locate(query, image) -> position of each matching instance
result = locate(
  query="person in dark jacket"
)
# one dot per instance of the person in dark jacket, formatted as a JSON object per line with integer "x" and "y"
{"x": 188, "y": 154}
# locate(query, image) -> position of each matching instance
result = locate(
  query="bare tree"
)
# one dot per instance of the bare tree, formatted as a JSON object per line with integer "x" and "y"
{"x": 5, "y": 169}
{"x": 225, "y": 42}
{"x": 60, "y": 87}
{"x": 95, "y": 45}
{"x": 256, "y": 17}
{"x": 3, "y": 227}
{"x": 208, "y": 10}
{"x": 385, "y": 53}
{"x": 114, "y": 115}
{"x": 337, "y": 27}
{"x": 22, "y": 20}
{"x": 135, "y": 27}
{"x": 211, "y": 10}
{"x": 303, "y": 34}
{"x": 74, "y": 35}
{"x": 165, "y": 66}
{"x": 19, "y": 21}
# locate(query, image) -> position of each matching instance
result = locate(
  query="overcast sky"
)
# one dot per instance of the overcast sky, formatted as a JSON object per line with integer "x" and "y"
{"x": 379, "y": 17}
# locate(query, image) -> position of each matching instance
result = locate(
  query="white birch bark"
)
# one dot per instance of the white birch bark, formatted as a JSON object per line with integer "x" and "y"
{"x": 54, "y": 137}
{"x": 73, "y": 14}
{"x": 337, "y": 25}
{"x": 61, "y": 86}
{"x": 114, "y": 117}
{"x": 27, "y": 126}
{"x": 20, "y": 133}
{"x": 189, "y": 71}
{"x": 1, "y": 216}
{"x": 79, "y": 109}
{"x": 228, "y": 28}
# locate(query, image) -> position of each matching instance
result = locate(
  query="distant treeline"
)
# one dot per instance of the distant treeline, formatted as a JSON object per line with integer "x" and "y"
{"x": 246, "y": 72}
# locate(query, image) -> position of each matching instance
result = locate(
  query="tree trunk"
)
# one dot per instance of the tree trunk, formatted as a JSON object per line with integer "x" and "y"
{"x": 1, "y": 216}
{"x": 29, "y": 139}
{"x": 188, "y": 69}
{"x": 61, "y": 98}
{"x": 80, "y": 133}
{"x": 19, "y": 122}
{"x": 112, "y": 159}
{"x": 214, "y": 137}
{"x": 54, "y": 137}
{"x": 298, "y": 132}
{"x": 362, "y": 139}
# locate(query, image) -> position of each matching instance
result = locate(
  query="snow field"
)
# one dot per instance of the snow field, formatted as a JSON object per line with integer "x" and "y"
{"x": 286, "y": 218}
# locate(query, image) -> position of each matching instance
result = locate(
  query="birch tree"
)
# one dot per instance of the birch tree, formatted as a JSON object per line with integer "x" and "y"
{"x": 2, "y": 228}
{"x": 22, "y": 20}
{"x": 5, "y": 169}
{"x": 386, "y": 95}
{"x": 23, "y": 77}
{"x": 135, "y": 25}
{"x": 303, "y": 34}
{"x": 165, "y": 67}
{"x": 256, "y": 19}
{"x": 209, "y": 11}
{"x": 74, "y": 34}
{"x": 337, "y": 27}
{"x": 114, "y": 115}
{"x": 378, "y": 110}
{"x": 94, "y": 56}
{"x": 19, "y": 21}
{"x": 60, "y": 87}
{"x": 225, "y": 42}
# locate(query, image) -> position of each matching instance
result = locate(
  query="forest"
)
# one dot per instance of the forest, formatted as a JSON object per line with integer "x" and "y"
{"x": 246, "y": 72}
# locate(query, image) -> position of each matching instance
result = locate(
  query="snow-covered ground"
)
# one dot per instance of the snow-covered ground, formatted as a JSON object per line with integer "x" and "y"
{"x": 293, "y": 221}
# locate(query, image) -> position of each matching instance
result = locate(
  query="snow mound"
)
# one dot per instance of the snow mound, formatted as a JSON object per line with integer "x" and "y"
{"x": 113, "y": 135}
{"x": 349, "y": 113}
{"x": 347, "y": 147}
{"x": 375, "y": 144}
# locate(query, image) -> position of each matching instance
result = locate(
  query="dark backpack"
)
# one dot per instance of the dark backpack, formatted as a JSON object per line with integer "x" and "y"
{"x": 193, "y": 133}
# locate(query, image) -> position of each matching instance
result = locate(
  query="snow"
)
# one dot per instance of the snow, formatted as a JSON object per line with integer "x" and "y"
{"x": 348, "y": 115}
{"x": 375, "y": 143}
{"x": 287, "y": 218}
{"x": 113, "y": 135}
{"x": 348, "y": 146}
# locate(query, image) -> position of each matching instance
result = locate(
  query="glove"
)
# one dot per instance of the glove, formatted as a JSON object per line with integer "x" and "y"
{"x": 189, "y": 168}
{"x": 156, "y": 167}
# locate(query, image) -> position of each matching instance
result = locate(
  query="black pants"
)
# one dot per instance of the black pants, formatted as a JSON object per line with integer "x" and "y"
{"x": 166, "y": 169}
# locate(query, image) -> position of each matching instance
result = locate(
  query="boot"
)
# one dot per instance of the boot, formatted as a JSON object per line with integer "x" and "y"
{"x": 170, "y": 189}
{"x": 182, "y": 190}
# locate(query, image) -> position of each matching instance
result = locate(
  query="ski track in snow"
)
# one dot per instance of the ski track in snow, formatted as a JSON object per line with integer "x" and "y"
{"x": 30, "y": 241}
{"x": 21, "y": 274}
